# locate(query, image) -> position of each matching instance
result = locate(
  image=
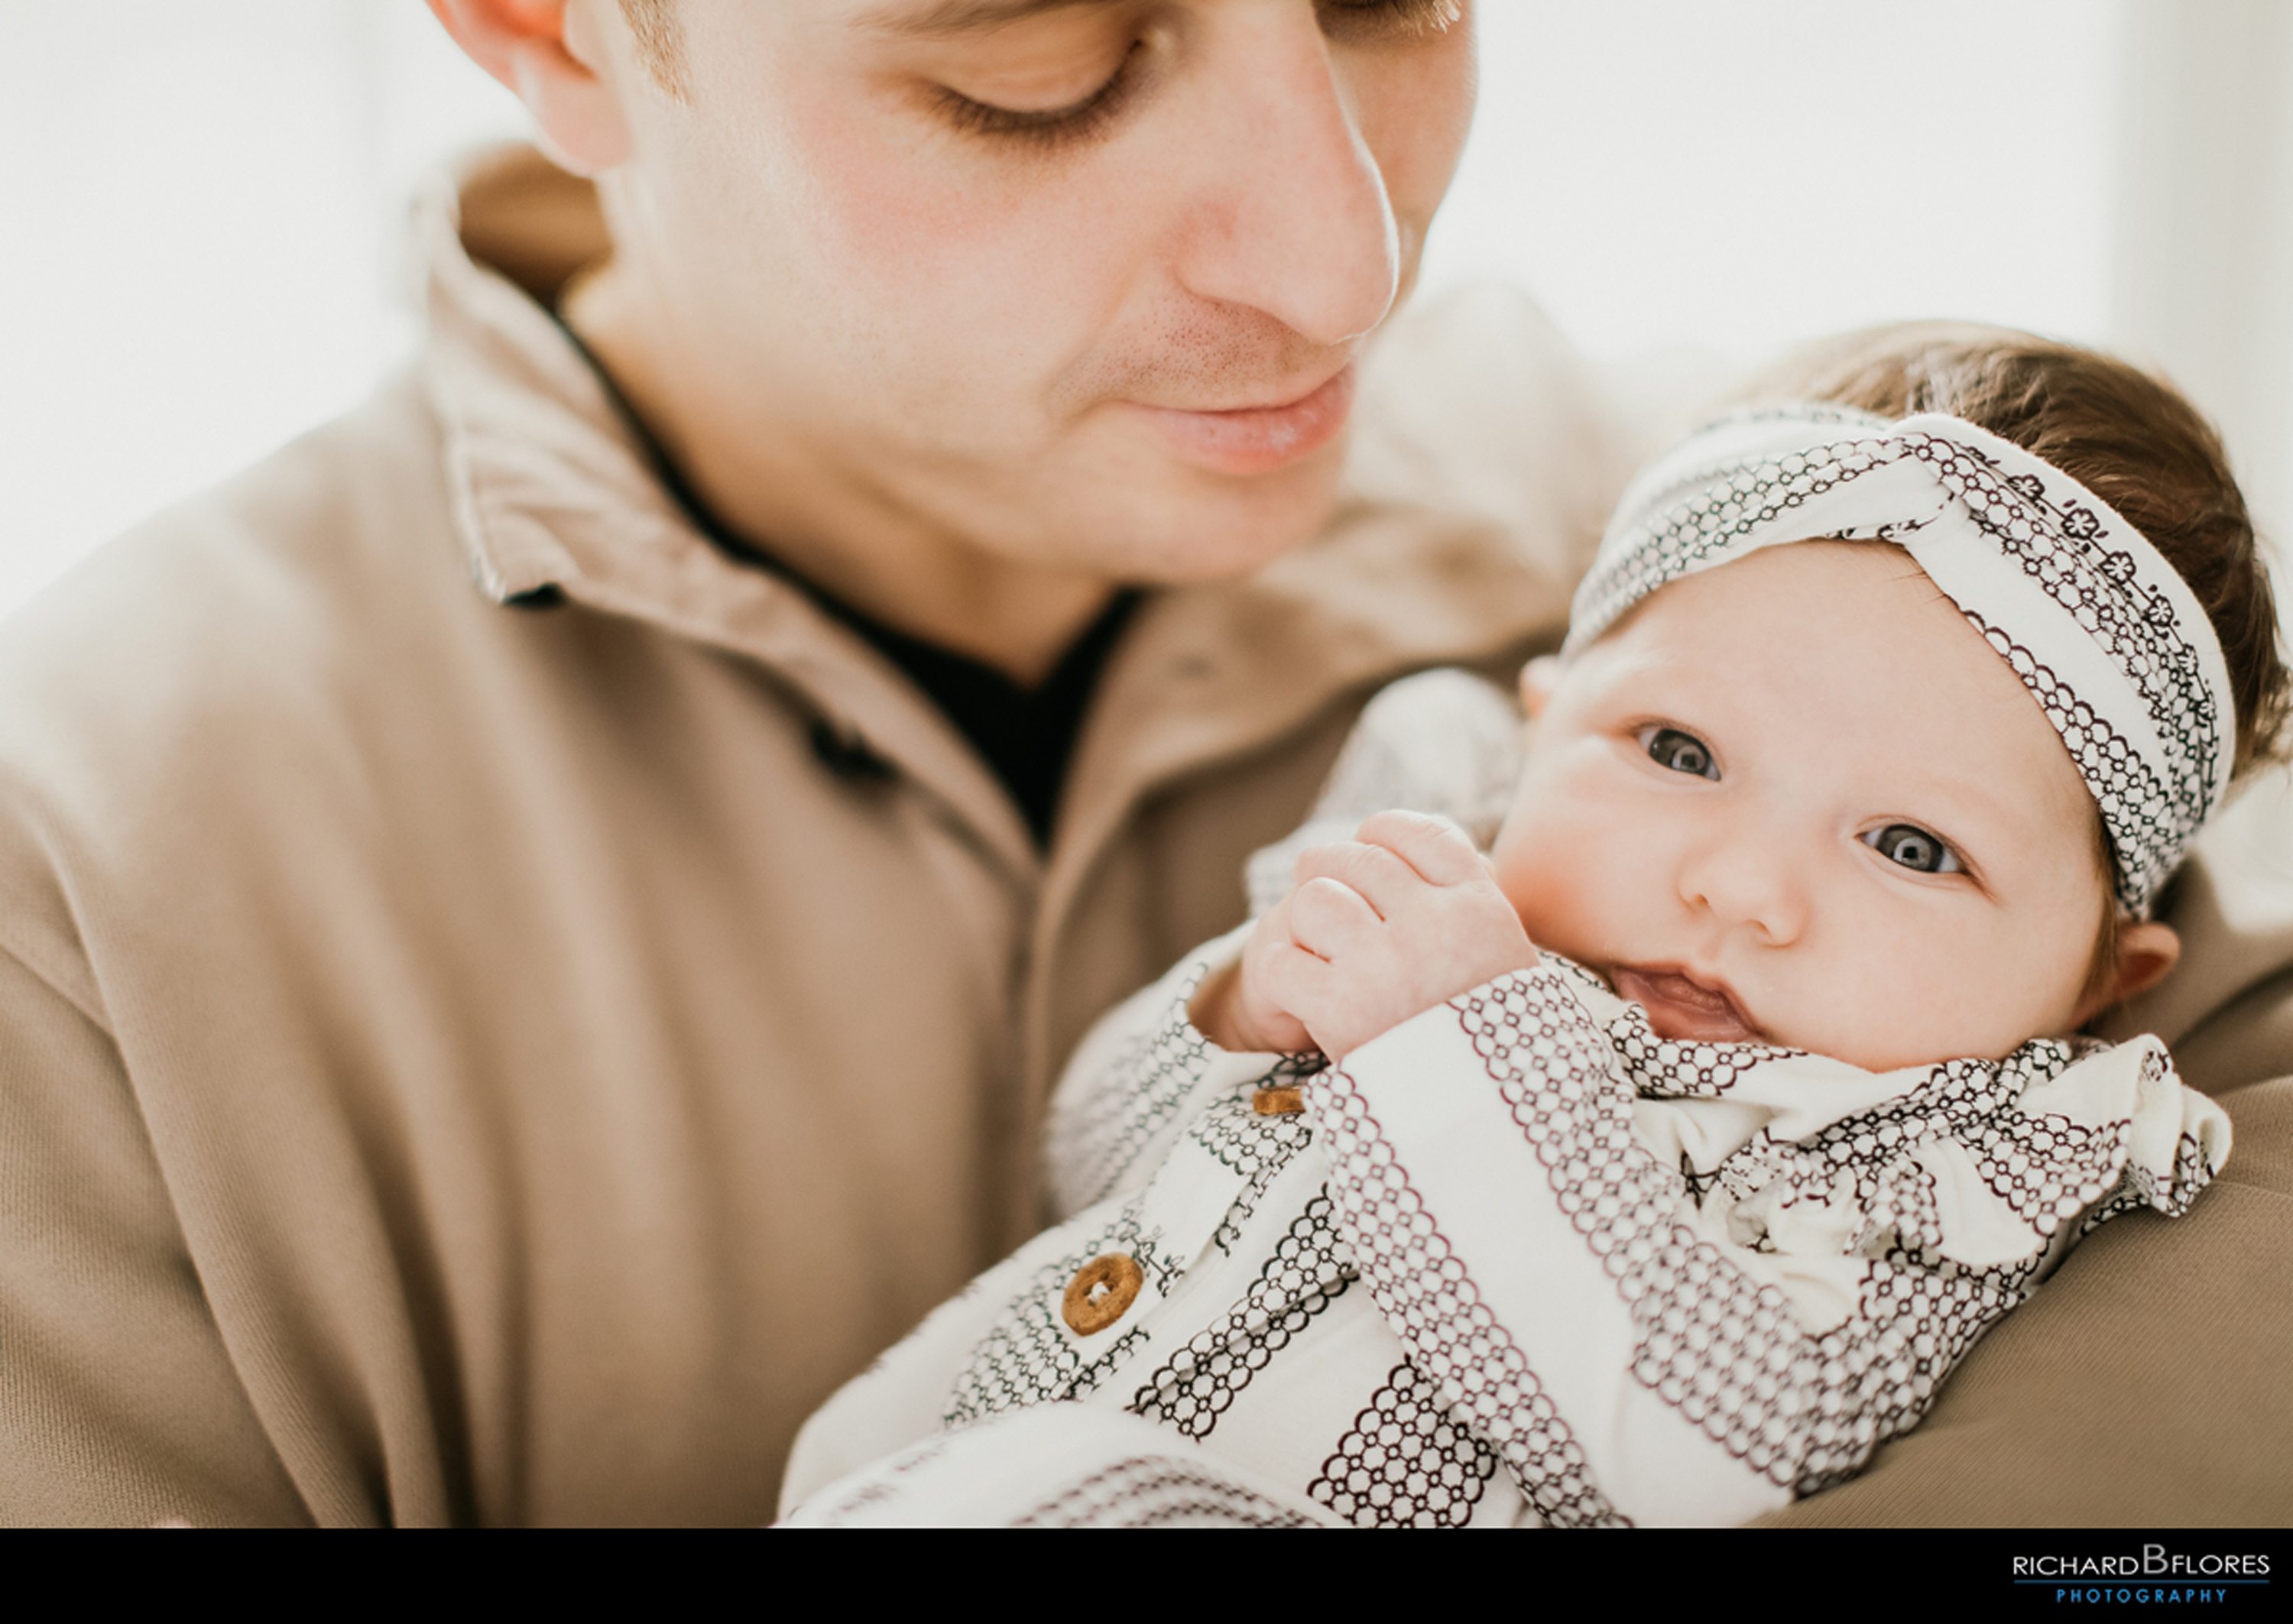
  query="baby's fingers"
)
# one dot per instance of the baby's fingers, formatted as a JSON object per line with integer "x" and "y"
{"x": 1327, "y": 917}
{"x": 1381, "y": 879}
{"x": 1292, "y": 988}
{"x": 1284, "y": 975}
{"x": 1435, "y": 847}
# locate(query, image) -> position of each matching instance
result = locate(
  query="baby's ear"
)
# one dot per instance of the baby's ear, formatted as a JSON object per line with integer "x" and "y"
{"x": 1539, "y": 679}
{"x": 2146, "y": 951}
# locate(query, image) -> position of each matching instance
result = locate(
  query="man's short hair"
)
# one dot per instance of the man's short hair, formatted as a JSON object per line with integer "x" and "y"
{"x": 661, "y": 43}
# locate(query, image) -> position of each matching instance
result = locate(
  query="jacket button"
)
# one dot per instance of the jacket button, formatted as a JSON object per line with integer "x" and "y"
{"x": 1100, "y": 1293}
{"x": 848, "y": 755}
{"x": 1278, "y": 1100}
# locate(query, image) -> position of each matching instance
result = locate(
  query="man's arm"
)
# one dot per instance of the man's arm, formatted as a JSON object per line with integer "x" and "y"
{"x": 118, "y": 1400}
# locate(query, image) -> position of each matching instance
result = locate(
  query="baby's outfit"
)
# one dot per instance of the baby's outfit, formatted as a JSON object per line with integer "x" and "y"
{"x": 1517, "y": 1260}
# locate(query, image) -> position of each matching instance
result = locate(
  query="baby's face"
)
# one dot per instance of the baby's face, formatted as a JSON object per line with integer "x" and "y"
{"x": 1799, "y": 799}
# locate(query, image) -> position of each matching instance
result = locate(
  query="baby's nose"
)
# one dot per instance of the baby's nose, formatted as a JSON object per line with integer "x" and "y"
{"x": 1750, "y": 882}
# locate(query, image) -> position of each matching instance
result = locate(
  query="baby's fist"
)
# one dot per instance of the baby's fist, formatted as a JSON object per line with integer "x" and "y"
{"x": 1404, "y": 917}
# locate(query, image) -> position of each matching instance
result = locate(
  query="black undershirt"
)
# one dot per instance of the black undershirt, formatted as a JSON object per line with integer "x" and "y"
{"x": 1026, "y": 735}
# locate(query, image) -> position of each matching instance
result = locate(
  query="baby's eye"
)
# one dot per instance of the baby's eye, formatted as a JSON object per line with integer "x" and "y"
{"x": 1668, "y": 746}
{"x": 1913, "y": 847}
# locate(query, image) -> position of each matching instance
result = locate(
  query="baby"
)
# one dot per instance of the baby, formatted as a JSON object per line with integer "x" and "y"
{"x": 1660, "y": 1164}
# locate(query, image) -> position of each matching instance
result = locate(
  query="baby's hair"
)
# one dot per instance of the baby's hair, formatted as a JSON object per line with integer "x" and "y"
{"x": 2129, "y": 438}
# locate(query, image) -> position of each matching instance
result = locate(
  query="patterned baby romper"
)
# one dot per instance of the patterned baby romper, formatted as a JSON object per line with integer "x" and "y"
{"x": 1516, "y": 1261}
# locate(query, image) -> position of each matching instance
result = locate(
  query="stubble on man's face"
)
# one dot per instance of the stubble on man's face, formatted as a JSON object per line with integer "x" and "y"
{"x": 959, "y": 320}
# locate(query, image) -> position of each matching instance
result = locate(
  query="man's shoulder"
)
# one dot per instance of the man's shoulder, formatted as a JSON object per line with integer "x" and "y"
{"x": 211, "y": 663}
{"x": 241, "y": 590}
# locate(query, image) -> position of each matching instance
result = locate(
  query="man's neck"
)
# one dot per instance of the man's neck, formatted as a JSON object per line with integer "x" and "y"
{"x": 885, "y": 561}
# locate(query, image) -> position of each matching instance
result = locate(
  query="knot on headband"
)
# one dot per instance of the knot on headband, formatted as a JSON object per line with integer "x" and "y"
{"x": 2103, "y": 630}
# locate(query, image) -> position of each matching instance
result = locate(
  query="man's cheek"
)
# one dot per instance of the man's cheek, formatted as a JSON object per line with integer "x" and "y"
{"x": 1415, "y": 122}
{"x": 979, "y": 216}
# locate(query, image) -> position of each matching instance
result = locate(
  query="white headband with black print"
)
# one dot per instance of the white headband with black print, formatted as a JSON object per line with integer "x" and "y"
{"x": 2102, "y": 630}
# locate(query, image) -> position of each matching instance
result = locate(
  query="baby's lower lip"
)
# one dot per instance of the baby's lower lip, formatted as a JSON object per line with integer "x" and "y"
{"x": 1260, "y": 439}
{"x": 1677, "y": 1007}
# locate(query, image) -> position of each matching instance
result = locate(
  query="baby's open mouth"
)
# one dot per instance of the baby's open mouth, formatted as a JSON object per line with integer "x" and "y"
{"x": 1678, "y": 1005}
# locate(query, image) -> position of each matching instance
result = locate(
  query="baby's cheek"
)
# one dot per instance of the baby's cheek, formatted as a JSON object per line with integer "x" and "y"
{"x": 1915, "y": 1003}
{"x": 1558, "y": 903}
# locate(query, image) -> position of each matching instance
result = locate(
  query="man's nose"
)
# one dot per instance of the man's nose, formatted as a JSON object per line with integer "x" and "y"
{"x": 1749, "y": 877}
{"x": 1294, "y": 218}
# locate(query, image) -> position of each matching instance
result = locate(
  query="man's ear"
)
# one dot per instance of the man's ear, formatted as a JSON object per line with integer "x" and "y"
{"x": 2146, "y": 951}
{"x": 1539, "y": 679}
{"x": 557, "y": 71}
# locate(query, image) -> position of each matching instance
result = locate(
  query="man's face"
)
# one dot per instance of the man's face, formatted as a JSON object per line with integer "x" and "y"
{"x": 1080, "y": 284}
{"x": 1797, "y": 798}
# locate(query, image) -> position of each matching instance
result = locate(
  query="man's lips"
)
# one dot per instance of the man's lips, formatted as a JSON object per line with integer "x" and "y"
{"x": 1682, "y": 1006}
{"x": 1259, "y": 439}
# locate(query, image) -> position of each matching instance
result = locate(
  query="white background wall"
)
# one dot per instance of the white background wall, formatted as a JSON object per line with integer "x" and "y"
{"x": 199, "y": 203}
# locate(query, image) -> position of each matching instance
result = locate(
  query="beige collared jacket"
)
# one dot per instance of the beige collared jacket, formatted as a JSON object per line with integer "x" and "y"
{"x": 468, "y": 1060}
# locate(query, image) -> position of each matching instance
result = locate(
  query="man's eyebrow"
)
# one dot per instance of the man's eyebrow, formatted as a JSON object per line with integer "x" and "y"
{"x": 950, "y": 18}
